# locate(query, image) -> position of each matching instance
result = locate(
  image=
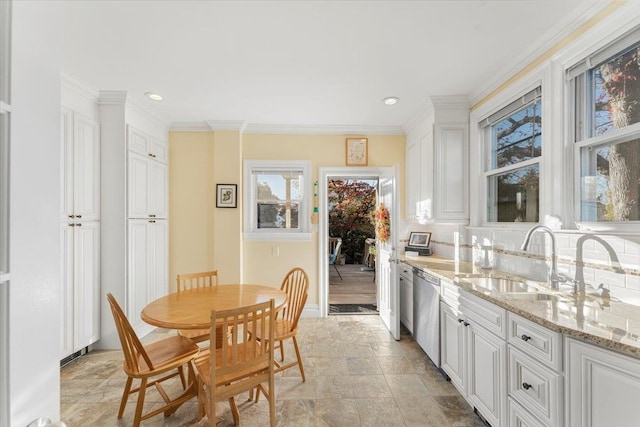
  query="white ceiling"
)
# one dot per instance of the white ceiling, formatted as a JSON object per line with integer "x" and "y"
{"x": 309, "y": 63}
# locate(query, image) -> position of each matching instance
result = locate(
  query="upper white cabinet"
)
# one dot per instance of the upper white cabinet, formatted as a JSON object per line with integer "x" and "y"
{"x": 80, "y": 168}
{"x": 147, "y": 180}
{"x": 146, "y": 145}
{"x": 603, "y": 387}
{"x": 437, "y": 162}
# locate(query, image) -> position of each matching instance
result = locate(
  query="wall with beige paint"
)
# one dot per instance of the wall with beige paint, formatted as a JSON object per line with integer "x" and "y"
{"x": 204, "y": 237}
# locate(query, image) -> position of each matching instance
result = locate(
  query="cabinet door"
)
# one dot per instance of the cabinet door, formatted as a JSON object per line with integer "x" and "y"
{"x": 157, "y": 190}
{"x": 452, "y": 345}
{"x": 603, "y": 387}
{"x": 413, "y": 178}
{"x": 158, "y": 259}
{"x": 406, "y": 303}
{"x": 137, "y": 270}
{"x": 86, "y": 179}
{"x": 137, "y": 141}
{"x": 138, "y": 185}
{"x": 159, "y": 150}
{"x": 86, "y": 283}
{"x": 452, "y": 171}
{"x": 66, "y": 165}
{"x": 486, "y": 364}
{"x": 66, "y": 289}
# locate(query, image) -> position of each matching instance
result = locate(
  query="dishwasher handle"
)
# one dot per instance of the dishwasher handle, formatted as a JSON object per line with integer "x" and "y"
{"x": 421, "y": 274}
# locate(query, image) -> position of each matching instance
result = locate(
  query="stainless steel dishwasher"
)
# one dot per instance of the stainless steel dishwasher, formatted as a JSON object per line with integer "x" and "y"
{"x": 426, "y": 313}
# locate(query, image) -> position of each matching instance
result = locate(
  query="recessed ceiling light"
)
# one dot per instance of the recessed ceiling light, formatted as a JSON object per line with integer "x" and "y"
{"x": 154, "y": 96}
{"x": 390, "y": 100}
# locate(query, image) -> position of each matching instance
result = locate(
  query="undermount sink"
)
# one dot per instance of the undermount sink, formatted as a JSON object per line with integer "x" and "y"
{"x": 535, "y": 296}
{"x": 501, "y": 284}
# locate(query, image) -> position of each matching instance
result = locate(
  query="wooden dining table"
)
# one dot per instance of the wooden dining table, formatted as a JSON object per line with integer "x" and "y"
{"x": 191, "y": 309}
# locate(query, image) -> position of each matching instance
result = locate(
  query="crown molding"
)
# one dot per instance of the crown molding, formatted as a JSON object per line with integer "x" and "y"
{"x": 450, "y": 102}
{"x": 79, "y": 87}
{"x": 120, "y": 97}
{"x": 322, "y": 129}
{"x": 147, "y": 112}
{"x": 189, "y": 127}
{"x": 112, "y": 97}
{"x": 419, "y": 116}
{"x": 238, "y": 125}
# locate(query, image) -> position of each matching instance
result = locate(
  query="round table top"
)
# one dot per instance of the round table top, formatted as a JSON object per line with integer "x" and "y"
{"x": 191, "y": 309}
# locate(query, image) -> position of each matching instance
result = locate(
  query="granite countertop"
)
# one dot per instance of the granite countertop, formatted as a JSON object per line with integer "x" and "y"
{"x": 606, "y": 322}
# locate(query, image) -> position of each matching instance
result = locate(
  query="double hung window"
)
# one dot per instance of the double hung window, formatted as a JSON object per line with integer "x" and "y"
{"x": 512, "y": 157}
{"x": 276, "y": 202}
{"x": 605, "y": 100}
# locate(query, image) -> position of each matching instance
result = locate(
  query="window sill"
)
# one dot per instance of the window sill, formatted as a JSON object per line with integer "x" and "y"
{"x": 277, "y": 237}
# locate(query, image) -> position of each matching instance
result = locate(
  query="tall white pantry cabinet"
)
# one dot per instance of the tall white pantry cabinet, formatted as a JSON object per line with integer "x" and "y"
{"x": 134, "y": 211}
{"x": 80, "y": 232}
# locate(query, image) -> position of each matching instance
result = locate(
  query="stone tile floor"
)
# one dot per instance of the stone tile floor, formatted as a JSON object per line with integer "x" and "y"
{"x": 357, "y": 375}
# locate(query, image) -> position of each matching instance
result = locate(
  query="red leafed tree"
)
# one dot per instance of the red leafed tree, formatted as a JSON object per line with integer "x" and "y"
{"x": 351, "y": 203}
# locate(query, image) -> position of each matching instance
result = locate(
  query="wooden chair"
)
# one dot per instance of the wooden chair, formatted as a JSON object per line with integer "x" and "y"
{"x": 156, "y": 359}
{"x": 296, "y": 285}
{"x": 192, "y": 281}
{"x": 237, "y": 364}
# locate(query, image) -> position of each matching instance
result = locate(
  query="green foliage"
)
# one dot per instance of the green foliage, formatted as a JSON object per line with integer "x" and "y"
{"x": 351, "y": 203}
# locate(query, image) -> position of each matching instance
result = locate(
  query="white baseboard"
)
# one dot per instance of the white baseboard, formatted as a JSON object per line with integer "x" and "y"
{"x": 311, "y": 311}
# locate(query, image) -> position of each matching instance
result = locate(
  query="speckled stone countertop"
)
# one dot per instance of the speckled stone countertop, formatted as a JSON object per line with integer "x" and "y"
{"x": 602, "y": 321}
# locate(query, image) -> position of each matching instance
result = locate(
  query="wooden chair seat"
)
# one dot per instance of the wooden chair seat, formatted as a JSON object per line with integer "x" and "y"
{"x": 204, "y": 367}
{"x": 147, "y": 363}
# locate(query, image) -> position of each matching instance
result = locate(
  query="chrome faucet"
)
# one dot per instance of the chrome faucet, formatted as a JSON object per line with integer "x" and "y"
{"x": 554, "y": 277}
{"x": 578, "y": 281}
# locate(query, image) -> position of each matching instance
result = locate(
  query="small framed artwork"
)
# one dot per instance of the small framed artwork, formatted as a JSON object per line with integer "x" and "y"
{"x": 226, "y": 196}
{"x": 357, "y": 151}
{"x": 419, "y": 240}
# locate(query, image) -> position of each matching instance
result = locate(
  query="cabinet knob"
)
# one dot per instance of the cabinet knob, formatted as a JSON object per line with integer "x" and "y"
{"x": 466, "y": 323}
{"x": 71, "y": 224}
{"x": 152, "y": 221}
{"x": 460, "y": 320}
{"x": 78, "y": 224}
{"x": 526, "y": 386}
{"x": 71, "y": 216}
{"x": 78, "y": 216}
{"x": 525, "y": 337}
{"x": 152, "y": 155}
{"x": 152, "y": 215}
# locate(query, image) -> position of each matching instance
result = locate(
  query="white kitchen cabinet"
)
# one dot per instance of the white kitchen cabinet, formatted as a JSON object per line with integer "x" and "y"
{"x": 147, "y": 182}
{"x": 146, "y": 145}
{"x": 147, "y": 265}
{"x": 603, "y": 387}
{"x": 437, "y": 162}
{"x": 453, "y": 345}
{"x": 405, "y": 277}
{"x": 519, "y": 417}
{"x": 79, "y": 233}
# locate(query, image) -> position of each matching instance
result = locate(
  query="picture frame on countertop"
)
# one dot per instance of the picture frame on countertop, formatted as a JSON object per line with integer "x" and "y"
{"x": 419, "y": 239}
{"x": 226, "y": 196}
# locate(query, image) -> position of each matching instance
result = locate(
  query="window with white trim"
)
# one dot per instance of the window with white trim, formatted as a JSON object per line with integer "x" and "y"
{"x": 512, "y": 159}
{"x": 605, "y": 104}
{"x": 276, "y": 205}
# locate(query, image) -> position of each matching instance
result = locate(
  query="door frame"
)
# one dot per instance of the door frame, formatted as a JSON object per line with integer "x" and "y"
{"x": 323, "y": 222}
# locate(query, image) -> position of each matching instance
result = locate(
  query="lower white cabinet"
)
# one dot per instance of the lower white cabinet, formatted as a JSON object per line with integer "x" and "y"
{"x": 520, "y": 417}
{"x": 405, "y": 278}
{"x": 80, "y": 285}
{"x": 603, "y": 387}
{"x": 147, "y": 266}
{"x": 452, "y": 345}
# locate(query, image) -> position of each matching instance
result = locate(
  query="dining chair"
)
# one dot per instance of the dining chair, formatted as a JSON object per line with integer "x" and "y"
{"x": 296, "y": 286}
{"x": 194, "y": 281}
{"x": 148, "y": 362}
{"x": 333, "y": 257}
{"x": 238, "y": 364}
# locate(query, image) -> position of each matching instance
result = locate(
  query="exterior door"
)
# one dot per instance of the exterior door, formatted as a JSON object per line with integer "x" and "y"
{"x": 388, "y": 289}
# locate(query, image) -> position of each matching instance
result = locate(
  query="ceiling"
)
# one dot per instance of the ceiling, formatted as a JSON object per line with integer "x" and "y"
{"x": 303, "y": 63}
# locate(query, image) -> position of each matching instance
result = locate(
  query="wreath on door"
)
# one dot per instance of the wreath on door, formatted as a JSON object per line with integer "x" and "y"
{"x": 382, "y": 223}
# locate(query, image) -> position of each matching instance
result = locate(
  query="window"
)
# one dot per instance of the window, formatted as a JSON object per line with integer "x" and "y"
{"x": 276, "y": 206}
{"x": 513, "y": 152}
{"x": 605, "y": 99}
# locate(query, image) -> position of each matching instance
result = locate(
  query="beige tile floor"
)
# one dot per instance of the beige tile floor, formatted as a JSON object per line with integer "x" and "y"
{"x": 357, "y": 375}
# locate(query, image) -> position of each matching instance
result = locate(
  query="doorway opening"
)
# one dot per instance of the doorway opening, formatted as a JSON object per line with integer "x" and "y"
{"x": 351, "y": 202}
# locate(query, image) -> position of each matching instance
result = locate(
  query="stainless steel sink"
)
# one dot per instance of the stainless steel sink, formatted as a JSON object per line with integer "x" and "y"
{"x": 535, "y": 296}
{"x": 501, "y": 284}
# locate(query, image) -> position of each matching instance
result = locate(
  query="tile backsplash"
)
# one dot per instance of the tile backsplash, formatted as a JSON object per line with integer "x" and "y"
{"x": 609, "y": 259}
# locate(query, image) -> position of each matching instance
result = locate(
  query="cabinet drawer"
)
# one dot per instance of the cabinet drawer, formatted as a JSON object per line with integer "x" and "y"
{"x": 490, "y": 316}
{"x": 406, "y": 271}
{"x": 519, "y": 417}
{"x": 535, "y": 340}
{"x": 450, "y": 294}
{"x": 536, "y": 387}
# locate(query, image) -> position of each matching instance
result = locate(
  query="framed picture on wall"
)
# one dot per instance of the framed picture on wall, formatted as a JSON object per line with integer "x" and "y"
{"x": 226, "y": 196}
{"x": 357, "y": 151}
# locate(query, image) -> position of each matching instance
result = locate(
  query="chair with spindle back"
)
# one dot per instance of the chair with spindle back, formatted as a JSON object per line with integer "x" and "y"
{"x": 193, "y": 281}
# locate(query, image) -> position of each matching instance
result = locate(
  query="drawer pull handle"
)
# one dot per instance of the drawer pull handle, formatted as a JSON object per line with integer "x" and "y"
{"x": 525, "y": 337}
{"x": 526, "y": 386}
{"x": 466, "y": 323}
